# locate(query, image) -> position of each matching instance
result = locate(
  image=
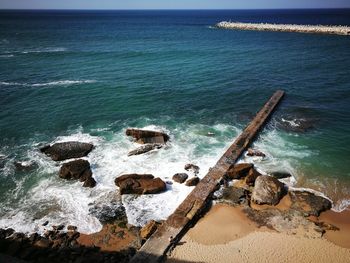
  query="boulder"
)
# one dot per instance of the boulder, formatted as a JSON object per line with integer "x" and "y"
{"x": 238, "y": 171}
{"x": 254, "y": 152}
{"x": 193, "y": 181}
{"x": 233, "y": 195}
{"x": 180, "y": 177}
{"x": 145, "y": 148}
{"x": 192, "y": 167}
{"x": 280, "y": 175}
{"x": 89, "y": 182}
{"x": 139, "y": 184}
{"x": 78, "y": 170}
{"x": 148, "y": 229}
{"x": 251, "y": 177}
{"x": 145, "y": 136}
{"x": 25, "y": 166}
{"x": 267, "y": 190}
{"x": 309, "y": 203}
{"x": 67, "y": 150}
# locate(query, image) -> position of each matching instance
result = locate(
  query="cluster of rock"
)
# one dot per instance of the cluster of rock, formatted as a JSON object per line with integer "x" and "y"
{"x": 254, "y": 190}
{"x": 183, "y": 177}
{"x": 76, "y": 169}
{"x": 139, "y": 184}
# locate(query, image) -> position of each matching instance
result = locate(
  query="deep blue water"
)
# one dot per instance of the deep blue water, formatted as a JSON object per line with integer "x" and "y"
{"x": 90, "y": 74}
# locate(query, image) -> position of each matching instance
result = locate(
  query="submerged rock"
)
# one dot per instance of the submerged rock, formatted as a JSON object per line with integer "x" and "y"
{"x": 193, "y": 181}
{"x": 293, "y": 124}
{"x": 309, "y": 203}
{"x": 139, "y": 184}
{"x": 180, "y": 177}
{"x": 267, "y": 190}
{"x": 78, "y": 170}
{"x": 239, "y": 170}
{"x": 280, "y": 175}
{"x": 145, "y": 148}
{"x": 192, "y": 167}
{"x": 25, "y": 166}
{"x": 67, "y": 150}
{"x": 146, "y": 136}
{"x": 254, "y": 152}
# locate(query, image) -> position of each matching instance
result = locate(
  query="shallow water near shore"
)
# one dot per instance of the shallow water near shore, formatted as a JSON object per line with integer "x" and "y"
{"x": 88, "y": 76}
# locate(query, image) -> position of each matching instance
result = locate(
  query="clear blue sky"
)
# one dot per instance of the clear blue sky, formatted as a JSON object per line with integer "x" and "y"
{"x": 171, "y": 4}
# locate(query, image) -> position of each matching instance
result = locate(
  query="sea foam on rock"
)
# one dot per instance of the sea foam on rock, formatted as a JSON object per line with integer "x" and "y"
{"x": 79, "y": 170}
{"x": 147, "y": 136}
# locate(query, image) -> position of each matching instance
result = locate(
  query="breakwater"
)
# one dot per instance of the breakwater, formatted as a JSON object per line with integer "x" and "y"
{"x": 312, "y": 29}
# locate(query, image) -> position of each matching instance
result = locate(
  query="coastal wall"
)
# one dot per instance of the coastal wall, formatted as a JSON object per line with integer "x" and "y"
{"x": 314, "y": 29}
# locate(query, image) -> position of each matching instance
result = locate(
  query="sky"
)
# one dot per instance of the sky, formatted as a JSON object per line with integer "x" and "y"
{"x": 174, "y": 4}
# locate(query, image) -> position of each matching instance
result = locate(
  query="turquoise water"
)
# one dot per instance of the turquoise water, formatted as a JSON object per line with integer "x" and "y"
{"x": 89, "y": 75}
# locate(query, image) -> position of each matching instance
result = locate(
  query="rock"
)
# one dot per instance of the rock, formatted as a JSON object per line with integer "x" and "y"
{"x": 280, "y": 175}
{"x": 254, "y": 152}
{"x": 296, "y": 124}
{"x": 180, "y": 177}
{"x": 139, "y": 184}
{"x": 238, "y": 171}
{"x": 58, "y": 228}
{"x": 25, "y": 166}
{"x": 67, "y": 150}
{"x": 33, "y": 237}
{"x": 145, "y": 148}
{"x": 45, "y": 223}
{"x": 309, "y": 203}
{"x": 42, "y": 243}
{"x": 145, "y": 136}
{"x": 193, "y": 181}
{"x": 89, "y": 182}
{"x": 192, "y": 167}
{"x": 110, "y": 212}
{"x": 251, "y": 177}
{"x": 148, "y": 229}
{"x": 233, "y": 195}
{"x": 267, "y": 190}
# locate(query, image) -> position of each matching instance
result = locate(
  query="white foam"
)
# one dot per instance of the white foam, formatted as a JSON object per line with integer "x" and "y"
{"x": 44, "y": 50}
{"x": 7, "y": 56}
{"x": 341, "y": 205}
{"x": 52, "y": 83}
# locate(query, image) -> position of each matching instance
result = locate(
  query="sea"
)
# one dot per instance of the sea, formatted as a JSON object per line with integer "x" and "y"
{"x": 89, "y": 75}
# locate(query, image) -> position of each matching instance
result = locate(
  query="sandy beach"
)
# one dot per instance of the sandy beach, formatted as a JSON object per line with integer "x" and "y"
{"x": 225, "y": 234}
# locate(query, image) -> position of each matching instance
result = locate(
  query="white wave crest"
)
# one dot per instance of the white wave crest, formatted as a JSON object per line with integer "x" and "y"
{"x": 52, "y": 83}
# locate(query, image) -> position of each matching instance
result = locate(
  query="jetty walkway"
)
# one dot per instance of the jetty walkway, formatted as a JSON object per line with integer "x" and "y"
{"x": 315, "y": 29}
{"x": 171, "y": 231}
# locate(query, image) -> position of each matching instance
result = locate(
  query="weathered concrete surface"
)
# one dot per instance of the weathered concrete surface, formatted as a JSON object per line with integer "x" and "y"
{"x": 176, "y": 225}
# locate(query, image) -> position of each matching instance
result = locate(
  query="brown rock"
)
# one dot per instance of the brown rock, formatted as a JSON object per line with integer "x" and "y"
{"x": 145, "y": 136}
{"x": 193, "y": 181}
{"x": 89, "y": 182}
{"x": 251, "y": 177}
{"x": 75, "y": 170}
{"x": 71, "y": 228}
{"x": 254, "y": 152}
{"x": 180, "y": 177}
{"x": 42, "y": 243}
{"x": 192, "y": 167}
{"x": 148, "y": 229}
{"x": 267, "y": 190}
{"x": 233, "y": 195}
{"x": 309, "y": 203}
{"x": 239, "y": 170}
{"x": 67, "y": 150}
{"x": 145, "y": 148}
{"x": 139, "y": 184}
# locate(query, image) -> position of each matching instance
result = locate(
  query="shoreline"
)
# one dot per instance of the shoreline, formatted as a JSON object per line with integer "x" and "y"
{"x": 312, "y": 29}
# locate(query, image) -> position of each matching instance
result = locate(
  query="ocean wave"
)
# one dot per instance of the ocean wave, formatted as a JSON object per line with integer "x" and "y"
{"x": 52, "y": 83}
{"x": 43, "y": 50}
{"x": 341, "y": 205}
{"x": 6, "y": 55}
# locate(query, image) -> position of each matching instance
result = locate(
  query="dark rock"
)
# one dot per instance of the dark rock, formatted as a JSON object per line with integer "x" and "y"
{"x": 193, "y": 181}
{"x": 140, "y": 184}
{"x": 58, "y": 228}
{"x": 9, "y": 232}
{"x": 309, "y": 203}
{"x": 280, "y": 175}
{"x": 293, "y": 124}
{"x": 25, "y": 166}
{"x": 238, "y": 171}
{"x": 254, "y": 152}
{"x": 267, "y": 190}
{"x": 145, "y": 148}
{"x": 71, "y": 228}
{"x": 89, "y": 182}
{"x": 109, "y": 212}
{"x": 192, "y": 167}
{"x": 75, "y": 170}
{"x": 148, "y": 229}
{"x": 251, "y": 177}
{"x": 33, "y": 237}
{"x": 233, "y": 195}
{"x": 325, "y": 226}
{"x": 67, "y": 150}
{"x": 145, "y": 136}
{"x": 180, "y": 177}
{"x": 42, "y": 243}
{"x": 45, "y": 223}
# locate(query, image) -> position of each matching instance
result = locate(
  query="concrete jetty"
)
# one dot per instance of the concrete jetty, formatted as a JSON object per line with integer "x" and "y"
{"x": 312, "y": 29}
{"x": 170, "y": 231}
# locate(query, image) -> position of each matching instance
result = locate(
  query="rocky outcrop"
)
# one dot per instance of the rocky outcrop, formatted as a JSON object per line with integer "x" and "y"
{"x": 67, "y": 150}
{"x": 148, "y": 229}
{"x": 145, "y": 136}
{"x": 78, "y": 170}
{"x": 309, "y": 203}
{"x": 139, "y": 184}
{"x": 180, "y": 177}
{"x": 254, "y": 152}
{"x": 233, "y": 195}
{"x": 238, "y": 171}
{"x": 280, "y": 175}
{"x": 267, "y": 190}
{"x": 192, "y": 167}
{"x": 251, "y": 177}
{"x": 193, "y": 181}
{"x": 145, "y": 148}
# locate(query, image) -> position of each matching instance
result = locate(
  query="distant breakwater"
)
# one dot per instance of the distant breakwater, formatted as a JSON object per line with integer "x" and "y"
{"x": 312, "y": 29}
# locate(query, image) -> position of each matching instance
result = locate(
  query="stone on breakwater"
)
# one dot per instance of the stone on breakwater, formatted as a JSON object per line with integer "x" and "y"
{"x": 146, "y": 136}
{"x": 267, "y": 190}
{"x": 139, "y": 184}
{"x": 67, "y": 150}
